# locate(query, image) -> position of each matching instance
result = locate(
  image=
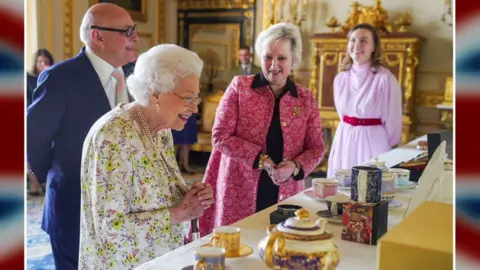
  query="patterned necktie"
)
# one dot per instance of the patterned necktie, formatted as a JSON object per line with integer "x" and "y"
{"x": 245, "y": 71}
{"x": 120, "y": 89}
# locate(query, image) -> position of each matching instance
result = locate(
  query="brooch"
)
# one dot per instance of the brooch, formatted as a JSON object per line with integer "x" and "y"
{"x": 295, "y": 110}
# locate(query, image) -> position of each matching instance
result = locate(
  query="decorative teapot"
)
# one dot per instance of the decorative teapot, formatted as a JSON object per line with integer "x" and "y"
{"x": 299, "y": 243}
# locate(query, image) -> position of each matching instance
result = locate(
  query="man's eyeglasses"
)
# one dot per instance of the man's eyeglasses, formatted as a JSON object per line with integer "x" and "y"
{"x": 128, "y": 31}
{"x": 188, "y": 101}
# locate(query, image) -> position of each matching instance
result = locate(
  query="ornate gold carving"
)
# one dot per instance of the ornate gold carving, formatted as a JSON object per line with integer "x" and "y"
{"x": 375, "y": 15}
{"x": 429, "y": 99}
{"x": 447, "y": 118}
{"x": 161, "y": 21}
{"x": 448, "y": 97}
{"x": 394, "y": 46}
{"x": 330, "y": 58}
{"x": 393, "y": 61}
{"x": 216, "y": 14}
{"x": 333, "y": 24}
{"x": 249, "y": 22}
{"x": 411, "y": 63}
{"x": 214, "y": 4}
{"x": 68, "y": 28}
{"x": 314, "y": 76}
{"x": 403, "y": 21}
{"x": 274, "y": 12}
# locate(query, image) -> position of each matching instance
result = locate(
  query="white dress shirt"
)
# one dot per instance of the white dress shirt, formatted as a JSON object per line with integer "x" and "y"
{"x": 248, "y": 67}
{"x": 104, "y": 71}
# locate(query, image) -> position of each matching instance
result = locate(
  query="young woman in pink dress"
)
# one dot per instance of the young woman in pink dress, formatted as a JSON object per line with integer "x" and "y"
{"x": 368, "y": 100}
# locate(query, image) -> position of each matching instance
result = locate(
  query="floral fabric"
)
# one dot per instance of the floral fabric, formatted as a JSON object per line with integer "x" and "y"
{"x": 127, "y": 186}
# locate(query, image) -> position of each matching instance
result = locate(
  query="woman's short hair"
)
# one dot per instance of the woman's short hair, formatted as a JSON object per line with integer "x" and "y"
{"x": 41, "y": 52}
{"x": 377, "y": 51}
{"x": 277, "y": 32}
{"x": 160, "y": 69}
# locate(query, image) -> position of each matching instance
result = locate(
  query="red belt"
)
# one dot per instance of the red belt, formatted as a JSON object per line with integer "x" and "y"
{"x": 362, "y": 121}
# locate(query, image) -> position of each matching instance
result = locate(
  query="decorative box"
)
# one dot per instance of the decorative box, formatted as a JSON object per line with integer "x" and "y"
{"x": 423, "y": 240}
{"x": 364, "y": 222}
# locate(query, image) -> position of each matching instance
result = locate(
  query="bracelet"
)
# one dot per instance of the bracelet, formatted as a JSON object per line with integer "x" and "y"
{"x": 296, "y": 171}
{"x": 261, "y": 160}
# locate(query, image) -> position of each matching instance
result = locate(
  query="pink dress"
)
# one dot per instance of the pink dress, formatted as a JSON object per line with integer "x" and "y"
{"x": 360, "y": 93}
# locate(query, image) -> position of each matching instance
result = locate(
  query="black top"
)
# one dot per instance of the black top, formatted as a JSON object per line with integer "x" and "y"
{"x": 267, "y": 193}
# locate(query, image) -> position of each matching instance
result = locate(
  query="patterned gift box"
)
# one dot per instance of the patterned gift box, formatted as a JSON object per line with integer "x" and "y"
{"x": 364, "y": 222}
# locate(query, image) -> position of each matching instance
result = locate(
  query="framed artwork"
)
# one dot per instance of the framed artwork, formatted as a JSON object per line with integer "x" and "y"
{"x": 136, "y": 8}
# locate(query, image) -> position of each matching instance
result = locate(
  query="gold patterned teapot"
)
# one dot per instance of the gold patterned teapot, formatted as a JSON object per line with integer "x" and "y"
{"x": 299, "y": 243}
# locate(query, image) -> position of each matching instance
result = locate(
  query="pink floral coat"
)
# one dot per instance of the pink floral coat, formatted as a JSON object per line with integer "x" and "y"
{"x": 239, "y": 133}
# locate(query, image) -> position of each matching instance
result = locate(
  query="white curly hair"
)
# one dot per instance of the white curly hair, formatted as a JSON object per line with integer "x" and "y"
{"x": 160, "y": 69}
{"x": 277, "y": 32}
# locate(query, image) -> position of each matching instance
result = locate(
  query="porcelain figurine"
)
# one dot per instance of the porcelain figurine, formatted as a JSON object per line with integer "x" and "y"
{"x": 299, "y": 243}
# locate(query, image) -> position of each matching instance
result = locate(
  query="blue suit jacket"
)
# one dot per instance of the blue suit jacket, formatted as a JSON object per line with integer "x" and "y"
{"x": 68, "y": 100}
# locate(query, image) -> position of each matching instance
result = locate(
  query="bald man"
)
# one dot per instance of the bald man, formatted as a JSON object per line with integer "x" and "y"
{"x": 69, "y": 98}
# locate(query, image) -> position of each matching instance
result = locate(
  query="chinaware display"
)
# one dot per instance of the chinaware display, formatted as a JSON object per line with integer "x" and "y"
{"x": 228, "y": 237}
{"x": 207, "y": 258}
{"x": 335, "y": 204}
{"x": 366, "y": 184}
{"x": 386, "y": 174}
{"x": 388, "y": 196}
{"x": 402, "y": 176}
{"x": 344, "y": 177}
{"x": 244, "y": 251}
{"x": 388, "y": 187}
{"x": 379, "y": 164}
{"x": 299, "y": 243}
{"x": 324, "y": 187}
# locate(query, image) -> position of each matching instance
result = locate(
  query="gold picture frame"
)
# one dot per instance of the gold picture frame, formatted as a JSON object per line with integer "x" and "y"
{"x": 136, "y": 8}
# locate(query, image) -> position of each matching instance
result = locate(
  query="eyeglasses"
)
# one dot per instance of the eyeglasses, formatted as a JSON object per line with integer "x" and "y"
{"x": 128, "y": 31}
{"x": 188, "y": 101}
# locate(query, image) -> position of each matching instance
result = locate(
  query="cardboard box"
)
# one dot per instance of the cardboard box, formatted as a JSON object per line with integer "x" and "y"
{"x": 423, "y": 240}
{"x": 364, "y": 222}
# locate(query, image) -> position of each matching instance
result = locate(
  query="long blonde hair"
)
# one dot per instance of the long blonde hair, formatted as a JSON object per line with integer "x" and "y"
{"x": 377, "y": 52}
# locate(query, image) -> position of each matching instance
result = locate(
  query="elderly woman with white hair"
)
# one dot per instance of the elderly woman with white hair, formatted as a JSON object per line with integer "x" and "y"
{"x": 133, "y": 203}
{"x": 267, "y": 135}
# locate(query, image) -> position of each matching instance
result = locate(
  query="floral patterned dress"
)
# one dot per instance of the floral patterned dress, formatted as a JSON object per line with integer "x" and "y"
{"x": 127, "y": 186}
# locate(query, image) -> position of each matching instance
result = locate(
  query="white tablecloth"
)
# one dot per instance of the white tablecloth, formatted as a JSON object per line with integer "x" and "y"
{"x": 353, "y": 255}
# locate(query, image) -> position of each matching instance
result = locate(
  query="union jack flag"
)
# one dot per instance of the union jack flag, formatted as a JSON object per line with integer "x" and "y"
{"x": 467, "y": 130}
{"x": 12, "y": 110}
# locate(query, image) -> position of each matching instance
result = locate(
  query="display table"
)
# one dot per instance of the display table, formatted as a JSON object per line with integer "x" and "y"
{"x": 353, "y": 255}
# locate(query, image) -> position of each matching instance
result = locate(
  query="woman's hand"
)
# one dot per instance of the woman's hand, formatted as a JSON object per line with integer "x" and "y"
{"x": 269, "y": 166}
{"x": 205, "y": 194}
{"x": 189, "y": 208}
{"x": 283, "y": 172}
